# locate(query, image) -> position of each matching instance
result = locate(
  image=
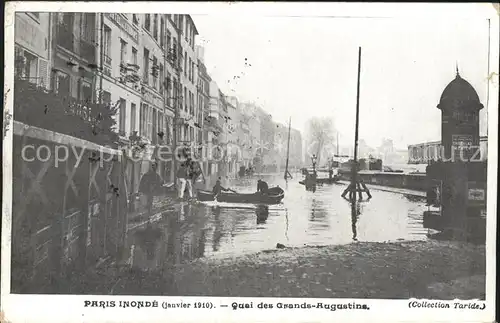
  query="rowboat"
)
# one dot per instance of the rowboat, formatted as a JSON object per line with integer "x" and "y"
{"x": 274, "y": 196}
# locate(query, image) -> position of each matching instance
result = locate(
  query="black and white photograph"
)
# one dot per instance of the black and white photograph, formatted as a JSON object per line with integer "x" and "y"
{"x": 220, "y": 160}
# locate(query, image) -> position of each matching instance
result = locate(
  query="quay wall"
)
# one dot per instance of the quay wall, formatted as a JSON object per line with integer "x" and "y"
{"x": 399, "y": 180}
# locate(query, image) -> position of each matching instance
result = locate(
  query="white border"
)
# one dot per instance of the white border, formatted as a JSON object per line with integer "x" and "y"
{"x": 17, "y": 308}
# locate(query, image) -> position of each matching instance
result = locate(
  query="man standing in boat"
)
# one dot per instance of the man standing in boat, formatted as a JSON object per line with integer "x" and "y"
{"x": 262, "y": 186}
{"x": 218, "y": 188}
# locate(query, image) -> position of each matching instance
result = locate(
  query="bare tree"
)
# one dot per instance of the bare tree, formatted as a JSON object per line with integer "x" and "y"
{"x": 320, "y": 134}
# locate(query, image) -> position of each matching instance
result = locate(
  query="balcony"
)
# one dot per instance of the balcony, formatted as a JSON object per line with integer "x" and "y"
{"x": 107, "y": 60}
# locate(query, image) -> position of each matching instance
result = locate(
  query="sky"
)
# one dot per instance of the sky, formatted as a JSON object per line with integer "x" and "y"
{"x": 301, "y": 67}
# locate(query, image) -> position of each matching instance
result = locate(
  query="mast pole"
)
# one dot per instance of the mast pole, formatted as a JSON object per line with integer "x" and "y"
{"x": 355, "y": 164}
{"x": 337, "y": 143}
{"x": 288, "y": 149}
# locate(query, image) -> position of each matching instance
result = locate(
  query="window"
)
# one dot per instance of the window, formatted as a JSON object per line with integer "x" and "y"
{"x": 145, "y": 63}
{"x": 86, "y": 48}
{"x": 162, "y": 32}
{"x": 155, "y": 26}
{"x": 147, "y": 22}
{"x": 87, "y": 28}
{"x": 169, "y": 40}
{"x": 135, "y": 19}
{"x": 162, "y": 79}
{"x": 64, "y": 35}
{"x": 133, "y": 111}
{"x": 150, "y": 123}
{"x": 146, "y": 121}
{"x": 192, "y": 72}
{"x": 28, "y": 67}
{"x": 154, "y": 130}
{"x": 190, "y": 65}
{"x": 85, "y": 93}
{"x": 134, "y": 56}
{"x": 107, "y": 45}
{"x": 185, "y": 64}
{"x": 185, "y": 99}
{"x": 123, "y": 51}
{"x": 190, "y": 102}
{"x": 175, "y": 94}
{"x": 123, "y": 115}
{"x": 191, "y": 133}
{"x": 181, "y": 21}
{"x": 155, "y": 73}
{"x": 63, "y": 84}
{"x": 169, "y": 86}
{"x": 142, "y": 120}
{"x": 106, "y": 97}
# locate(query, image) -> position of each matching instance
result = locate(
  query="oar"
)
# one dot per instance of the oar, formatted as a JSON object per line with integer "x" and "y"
{"x": 232, "y": 190}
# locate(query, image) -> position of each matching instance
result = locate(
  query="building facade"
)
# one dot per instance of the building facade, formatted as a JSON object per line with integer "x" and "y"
{"x": 33, "y": 47}
{"x": 206, "y": 133}
{"x": 251, "y": 120}
{"x": 187, "y": 80}
{"x": 74, "y": 59}
{"x": 233, "y": 135}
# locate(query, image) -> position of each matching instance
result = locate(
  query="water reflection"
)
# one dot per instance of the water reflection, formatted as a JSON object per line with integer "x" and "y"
{"x": 319, "y": 219}
{"x": 262, "y": 213}
{"x": 217, "y": 235}
{"x": 191, "y": 231}
{"x": 355, "y": 212}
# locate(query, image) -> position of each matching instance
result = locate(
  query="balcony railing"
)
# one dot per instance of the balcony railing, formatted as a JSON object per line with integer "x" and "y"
{"x": 107, "y": 60}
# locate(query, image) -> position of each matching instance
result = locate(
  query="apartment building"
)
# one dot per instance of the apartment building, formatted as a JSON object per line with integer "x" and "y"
{"x": 185, "y": 82}
{"x": 120, "y": 84}
{"x": 32, "y": 47}
{"x": 232, "y": 123}
{"x": 74, "y": 60}
{"x": 203, "y": 98}
{"x": 152, "y": 112}
{"x": 206, "y": 133}
{"x": 250, "y": 116}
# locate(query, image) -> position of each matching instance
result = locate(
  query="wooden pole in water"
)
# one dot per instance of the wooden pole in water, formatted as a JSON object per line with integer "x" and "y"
{"x": 288, "y": 148}
{"x": 354, "y": 179}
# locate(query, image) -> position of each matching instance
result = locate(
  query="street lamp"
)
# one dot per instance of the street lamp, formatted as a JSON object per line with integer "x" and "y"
{"x": 313, "y": 160}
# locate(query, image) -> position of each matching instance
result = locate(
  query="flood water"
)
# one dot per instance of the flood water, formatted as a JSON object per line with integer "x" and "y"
{"x": 323, "y": 217}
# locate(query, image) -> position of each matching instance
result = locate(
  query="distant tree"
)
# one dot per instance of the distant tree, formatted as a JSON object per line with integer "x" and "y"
{"x": 320, "y": 134}
{"x": 36, "y": 106}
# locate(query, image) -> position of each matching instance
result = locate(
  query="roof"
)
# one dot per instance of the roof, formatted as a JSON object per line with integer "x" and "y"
{"x": 460, "y": 92}
{"x": 193, "y": 24}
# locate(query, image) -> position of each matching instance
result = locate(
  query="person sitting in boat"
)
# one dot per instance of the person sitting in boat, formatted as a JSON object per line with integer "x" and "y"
{"x": 262, "y": 186}
{"x": 218, "y": 188}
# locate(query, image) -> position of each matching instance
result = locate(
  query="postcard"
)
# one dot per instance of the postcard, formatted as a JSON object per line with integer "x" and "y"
{"x": 249, "y": 162}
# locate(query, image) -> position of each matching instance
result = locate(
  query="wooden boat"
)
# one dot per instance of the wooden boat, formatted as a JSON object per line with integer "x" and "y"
{"x": 274, "y": 196}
